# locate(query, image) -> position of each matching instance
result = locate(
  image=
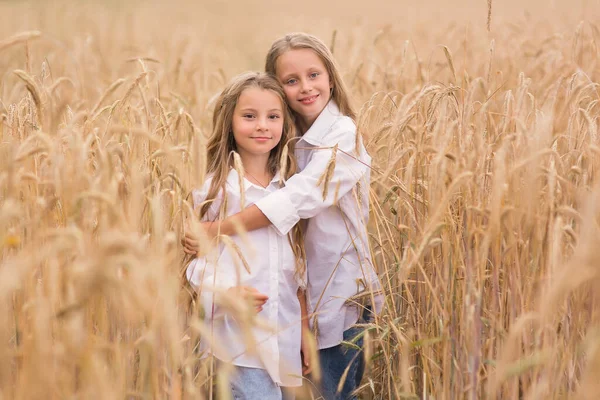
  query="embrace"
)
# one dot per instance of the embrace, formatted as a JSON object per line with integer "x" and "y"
{"x": 286, "y": 165}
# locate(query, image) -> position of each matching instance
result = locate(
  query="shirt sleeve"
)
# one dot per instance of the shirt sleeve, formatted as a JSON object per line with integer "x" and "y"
{"x": 304, "y": 195}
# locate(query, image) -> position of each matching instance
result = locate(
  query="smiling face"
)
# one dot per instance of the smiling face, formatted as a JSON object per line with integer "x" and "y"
{"x": 257, "y": 123}
{"x": 306, "y": 83}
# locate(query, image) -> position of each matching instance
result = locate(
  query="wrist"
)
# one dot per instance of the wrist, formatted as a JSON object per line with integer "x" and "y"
{"x": 213, "y": 228}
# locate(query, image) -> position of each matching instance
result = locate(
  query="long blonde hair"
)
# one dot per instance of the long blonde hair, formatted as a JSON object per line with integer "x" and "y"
{"x": 300, "y": 40}
{"x": 221, "y": 146}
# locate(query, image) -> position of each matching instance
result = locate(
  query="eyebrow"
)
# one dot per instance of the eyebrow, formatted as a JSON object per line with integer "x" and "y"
{"x": 288, "y": 76}
{"x": 252, "y": 109}
{"x": 311, "y": 68}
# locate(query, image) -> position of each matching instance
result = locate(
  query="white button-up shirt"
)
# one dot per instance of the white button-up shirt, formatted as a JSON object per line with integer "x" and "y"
{"x": 337, "y": 251}
{"x": 272, "y": 272}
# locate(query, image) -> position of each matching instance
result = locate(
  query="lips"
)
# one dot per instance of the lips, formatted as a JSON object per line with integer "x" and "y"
{"x": 309, "y": 100}
{"x": 261, "y": 138}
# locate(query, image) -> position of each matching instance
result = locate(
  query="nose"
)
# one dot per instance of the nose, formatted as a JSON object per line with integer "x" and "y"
{"x": 261, "y": 124}
{"x": 305, "y": 86}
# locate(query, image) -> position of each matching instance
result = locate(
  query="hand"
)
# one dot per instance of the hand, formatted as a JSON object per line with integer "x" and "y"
{"x": 307, "y": 349}
{"x": 190, "y": 243}
{"x": 249, "y": 294}
{"x": 190, "y": 239}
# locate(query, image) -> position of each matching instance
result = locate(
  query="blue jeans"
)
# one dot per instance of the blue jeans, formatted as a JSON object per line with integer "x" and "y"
{"x": 335, "y": 360}
{"x": 256, "y": 384}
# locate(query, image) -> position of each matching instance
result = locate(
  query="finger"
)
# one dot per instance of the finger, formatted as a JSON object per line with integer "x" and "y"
{"x": 191, "y": 242}
{"x": 305, "y": 363}
{"x": 189, "y": 251}
{"x": 192, "y": 246}
{"x": 259, "y": 303}
{"x": 189, "y": 235}
{"x": 188, "y": 245}
{"x": 261, "y": 299}
{"x": 261, "y": 296}
{"x": 258, "y": 309}
{"x": 255, "y": 294}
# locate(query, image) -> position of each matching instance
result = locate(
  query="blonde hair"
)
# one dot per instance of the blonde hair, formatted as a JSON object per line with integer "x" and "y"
{"x": 300, "y": 40}
{"x": 221, "y": 146}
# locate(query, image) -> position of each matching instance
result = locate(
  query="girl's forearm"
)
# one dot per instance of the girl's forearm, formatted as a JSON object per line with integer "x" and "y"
{"x": 248, "y": 219}
{"x": 303, "y": 307}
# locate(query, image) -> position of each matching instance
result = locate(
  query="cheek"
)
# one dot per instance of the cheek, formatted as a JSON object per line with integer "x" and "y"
{"x": 236, "y": 137}
{"x": 278, "y": 128}
{"x": 289, "y": 93}
{"x": 238, "y": 130}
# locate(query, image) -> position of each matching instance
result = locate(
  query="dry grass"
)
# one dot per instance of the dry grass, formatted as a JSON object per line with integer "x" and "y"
{"x": 485, "y": 196}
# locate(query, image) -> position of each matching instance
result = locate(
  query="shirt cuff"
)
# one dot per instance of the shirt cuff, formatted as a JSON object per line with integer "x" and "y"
{"x": 279, "y": 209}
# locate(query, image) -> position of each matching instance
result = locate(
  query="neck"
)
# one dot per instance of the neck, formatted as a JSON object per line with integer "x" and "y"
{"x": 304, "y": 125}
{"x": 256, "y": 165}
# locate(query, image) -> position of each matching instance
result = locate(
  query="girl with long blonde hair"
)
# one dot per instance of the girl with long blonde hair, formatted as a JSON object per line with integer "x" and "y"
{"x": 248, "y": 160}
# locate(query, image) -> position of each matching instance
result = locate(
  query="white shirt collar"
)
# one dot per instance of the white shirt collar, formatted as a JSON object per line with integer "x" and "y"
{"x": 322, "y": 124}
{"x": 233, "y": 181}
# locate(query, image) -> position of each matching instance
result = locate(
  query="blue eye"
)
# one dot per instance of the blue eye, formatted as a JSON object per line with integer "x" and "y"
{"x": 314, "y": 75}
{"x": 290, "y": 81}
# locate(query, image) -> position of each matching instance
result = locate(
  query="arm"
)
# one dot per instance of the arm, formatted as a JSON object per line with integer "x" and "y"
{"x": 304, "y": 195}
{"x": 250, "y": 219}
{"x": 303, "y": 307}
{"x": 307, "y": 348}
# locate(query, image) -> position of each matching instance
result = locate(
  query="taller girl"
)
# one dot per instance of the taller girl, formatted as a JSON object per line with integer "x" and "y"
{"x": 332, "y": 193}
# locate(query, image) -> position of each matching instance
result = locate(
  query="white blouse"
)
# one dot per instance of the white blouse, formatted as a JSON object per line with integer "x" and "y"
{"x": 270, "y": 257}
{"x": 337, "y": 250}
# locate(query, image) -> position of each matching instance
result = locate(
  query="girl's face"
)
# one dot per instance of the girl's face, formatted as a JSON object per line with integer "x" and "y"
{"x": 305, "y": 81}
{"x": 257, "y": 122}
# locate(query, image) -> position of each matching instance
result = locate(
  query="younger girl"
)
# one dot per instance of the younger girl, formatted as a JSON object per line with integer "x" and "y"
{"x": 251, "y": 120}
{"x": 332, "y": 192}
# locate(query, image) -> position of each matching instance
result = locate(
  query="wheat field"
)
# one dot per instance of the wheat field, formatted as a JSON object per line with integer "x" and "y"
{"x": 482, "y": 120}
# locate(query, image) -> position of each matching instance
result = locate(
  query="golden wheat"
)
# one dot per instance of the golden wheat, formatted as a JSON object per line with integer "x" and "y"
{"x": 484, "y": 195}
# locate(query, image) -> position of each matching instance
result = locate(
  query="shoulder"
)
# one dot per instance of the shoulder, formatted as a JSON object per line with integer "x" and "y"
{"x": 200, "y": 194}
{"x": 231, "y": 188}
{"x": 338, "y": 122}
{"x": 342, "y": 132}
{"x": 343, "y": 124}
